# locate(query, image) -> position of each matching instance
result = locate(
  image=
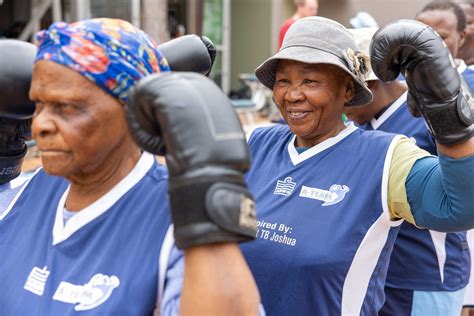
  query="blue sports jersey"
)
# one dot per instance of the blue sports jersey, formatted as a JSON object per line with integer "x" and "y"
{"x": 324, "y": 233}
{"x": 422, "y": 260}
{"x": 468, "y": 74}
{"x": 104, "y": 261}
{"x": 8, "y": 191}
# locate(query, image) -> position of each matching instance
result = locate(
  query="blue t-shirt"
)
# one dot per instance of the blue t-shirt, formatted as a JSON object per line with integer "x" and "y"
{"x": 468, "y": 75}
{"x": 324, "y": 232}
{"x": 113, "y": 257}
{"x": 8, "y": 192}
{"x": 422, "y": 260}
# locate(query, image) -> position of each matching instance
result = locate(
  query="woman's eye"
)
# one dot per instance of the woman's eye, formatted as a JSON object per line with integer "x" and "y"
{"x": 309, "y": 81}
{"x": 67, "y": 108}
{"x": 282, "y": 81}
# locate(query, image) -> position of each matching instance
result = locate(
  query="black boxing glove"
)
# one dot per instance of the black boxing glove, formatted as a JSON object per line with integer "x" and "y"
{"x": 16, "y": 109}
{"x": 16, "y": 66}
{"x": 13, "y": 135}
{"x": 189, "y": 53}
{"x": 206, "y": 154}
{"x": 435, "y": 88}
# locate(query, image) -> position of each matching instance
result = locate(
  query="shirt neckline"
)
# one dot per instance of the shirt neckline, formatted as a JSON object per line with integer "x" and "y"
{"x": 376, "y": 123}
{"x": 310, "y": 152}
{"x": 63, "y": 231}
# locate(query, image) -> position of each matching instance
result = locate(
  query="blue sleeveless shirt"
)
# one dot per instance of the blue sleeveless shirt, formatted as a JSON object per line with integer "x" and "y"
{"x": 324, "y": 233}
{"x": 104, "y": 261}
{"x": 422, "y": 260}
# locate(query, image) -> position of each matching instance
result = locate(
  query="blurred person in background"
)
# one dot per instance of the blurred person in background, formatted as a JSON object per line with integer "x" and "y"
{"x": 449, "y": 21}
{"x": 466, "y": 51}
{"x": 428, "y": 270}
{"x": 363, "y": 20}
{"x": 304, "y": 8}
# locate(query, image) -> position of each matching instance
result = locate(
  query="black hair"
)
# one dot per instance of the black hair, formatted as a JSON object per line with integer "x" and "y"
{"x": 468, "y": 2}
{"x": 448, "y": 6}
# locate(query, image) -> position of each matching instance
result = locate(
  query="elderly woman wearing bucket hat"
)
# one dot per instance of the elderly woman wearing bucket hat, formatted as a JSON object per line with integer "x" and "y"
{"x": 92, "y": 231}
{"x": 330, "y": 196}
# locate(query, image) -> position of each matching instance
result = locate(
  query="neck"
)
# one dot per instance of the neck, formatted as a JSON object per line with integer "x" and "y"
{"x": 386, "y": 94}
{"x": 91, "y": 186}
{"x": 313, "y": 141}
{"x": 466, "y": 53}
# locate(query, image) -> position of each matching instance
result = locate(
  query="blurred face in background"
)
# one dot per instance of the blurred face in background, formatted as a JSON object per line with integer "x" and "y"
{"x": 309, "y": 8}
{"x": 445, "y": 24}
{"x": 467, "y": 50}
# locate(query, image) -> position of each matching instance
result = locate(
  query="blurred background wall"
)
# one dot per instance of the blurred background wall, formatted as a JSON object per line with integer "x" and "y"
{"x": 245, "y": 31}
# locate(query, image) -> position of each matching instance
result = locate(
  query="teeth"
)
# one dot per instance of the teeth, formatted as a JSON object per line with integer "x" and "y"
{"x": 296, "y": 113}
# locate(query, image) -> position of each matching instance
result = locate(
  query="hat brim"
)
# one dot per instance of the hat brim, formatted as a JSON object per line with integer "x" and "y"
{"x": 266, "y": 72}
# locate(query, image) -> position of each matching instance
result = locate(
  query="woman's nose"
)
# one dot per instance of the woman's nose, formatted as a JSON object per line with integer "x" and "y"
{"x": 43, "y": 123}
{"x": 294, "y": 94}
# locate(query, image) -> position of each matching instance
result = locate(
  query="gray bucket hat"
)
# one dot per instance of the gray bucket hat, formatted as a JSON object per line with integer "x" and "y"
{"x": 363, "y": 36}
{"x": 317, "y": 40}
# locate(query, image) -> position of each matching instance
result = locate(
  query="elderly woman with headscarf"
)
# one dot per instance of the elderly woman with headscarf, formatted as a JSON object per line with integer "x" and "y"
{"x": 92, "y": 230}
{"x": 330, "y": 197}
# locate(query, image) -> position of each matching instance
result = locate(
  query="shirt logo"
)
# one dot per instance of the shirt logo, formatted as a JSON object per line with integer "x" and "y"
{"x": 87, "y": 296}
{"x": 36, "y": 280}
{"x": 285, "y": 187}
{"x": 335, "y": 194}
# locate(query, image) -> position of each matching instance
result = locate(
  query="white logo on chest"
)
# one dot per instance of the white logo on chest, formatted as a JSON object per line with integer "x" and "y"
{"x": 87, "y": 296}
{"x": 36, "y": 280}
{"x": 335, "y": 194}
{"x": 285, "y": 187}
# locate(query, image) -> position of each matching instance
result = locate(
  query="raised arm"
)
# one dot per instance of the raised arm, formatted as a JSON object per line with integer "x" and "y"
{"x": 187, "y": 117}
{"x": 439, "y": 191}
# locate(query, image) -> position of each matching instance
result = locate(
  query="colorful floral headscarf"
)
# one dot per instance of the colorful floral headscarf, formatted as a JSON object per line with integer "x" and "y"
{"x": 110, "y": 52}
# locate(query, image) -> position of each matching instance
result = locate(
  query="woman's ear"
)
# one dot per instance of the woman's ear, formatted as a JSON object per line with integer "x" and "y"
{"x": 372, "y": 85}
{"x": 462, "y": 37}
{"x": 350, "y": 89}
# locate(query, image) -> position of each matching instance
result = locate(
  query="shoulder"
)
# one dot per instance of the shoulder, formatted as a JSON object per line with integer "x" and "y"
{"x": 154, "y": 183}
{"x": 158, "y": 172}
{"x": 271, "y": 133}
{"x": 43, "y": 180}
{"x": 373, "y": 136}
{"x": 468, "y": 76}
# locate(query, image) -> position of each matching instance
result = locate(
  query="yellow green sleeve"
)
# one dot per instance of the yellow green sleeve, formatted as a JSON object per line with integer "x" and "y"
{"x": 405, "y": 154}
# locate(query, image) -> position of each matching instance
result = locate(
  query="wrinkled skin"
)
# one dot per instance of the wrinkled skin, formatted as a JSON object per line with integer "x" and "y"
{"x": 80, "y": 131}
{"x": 311, "y": 99}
